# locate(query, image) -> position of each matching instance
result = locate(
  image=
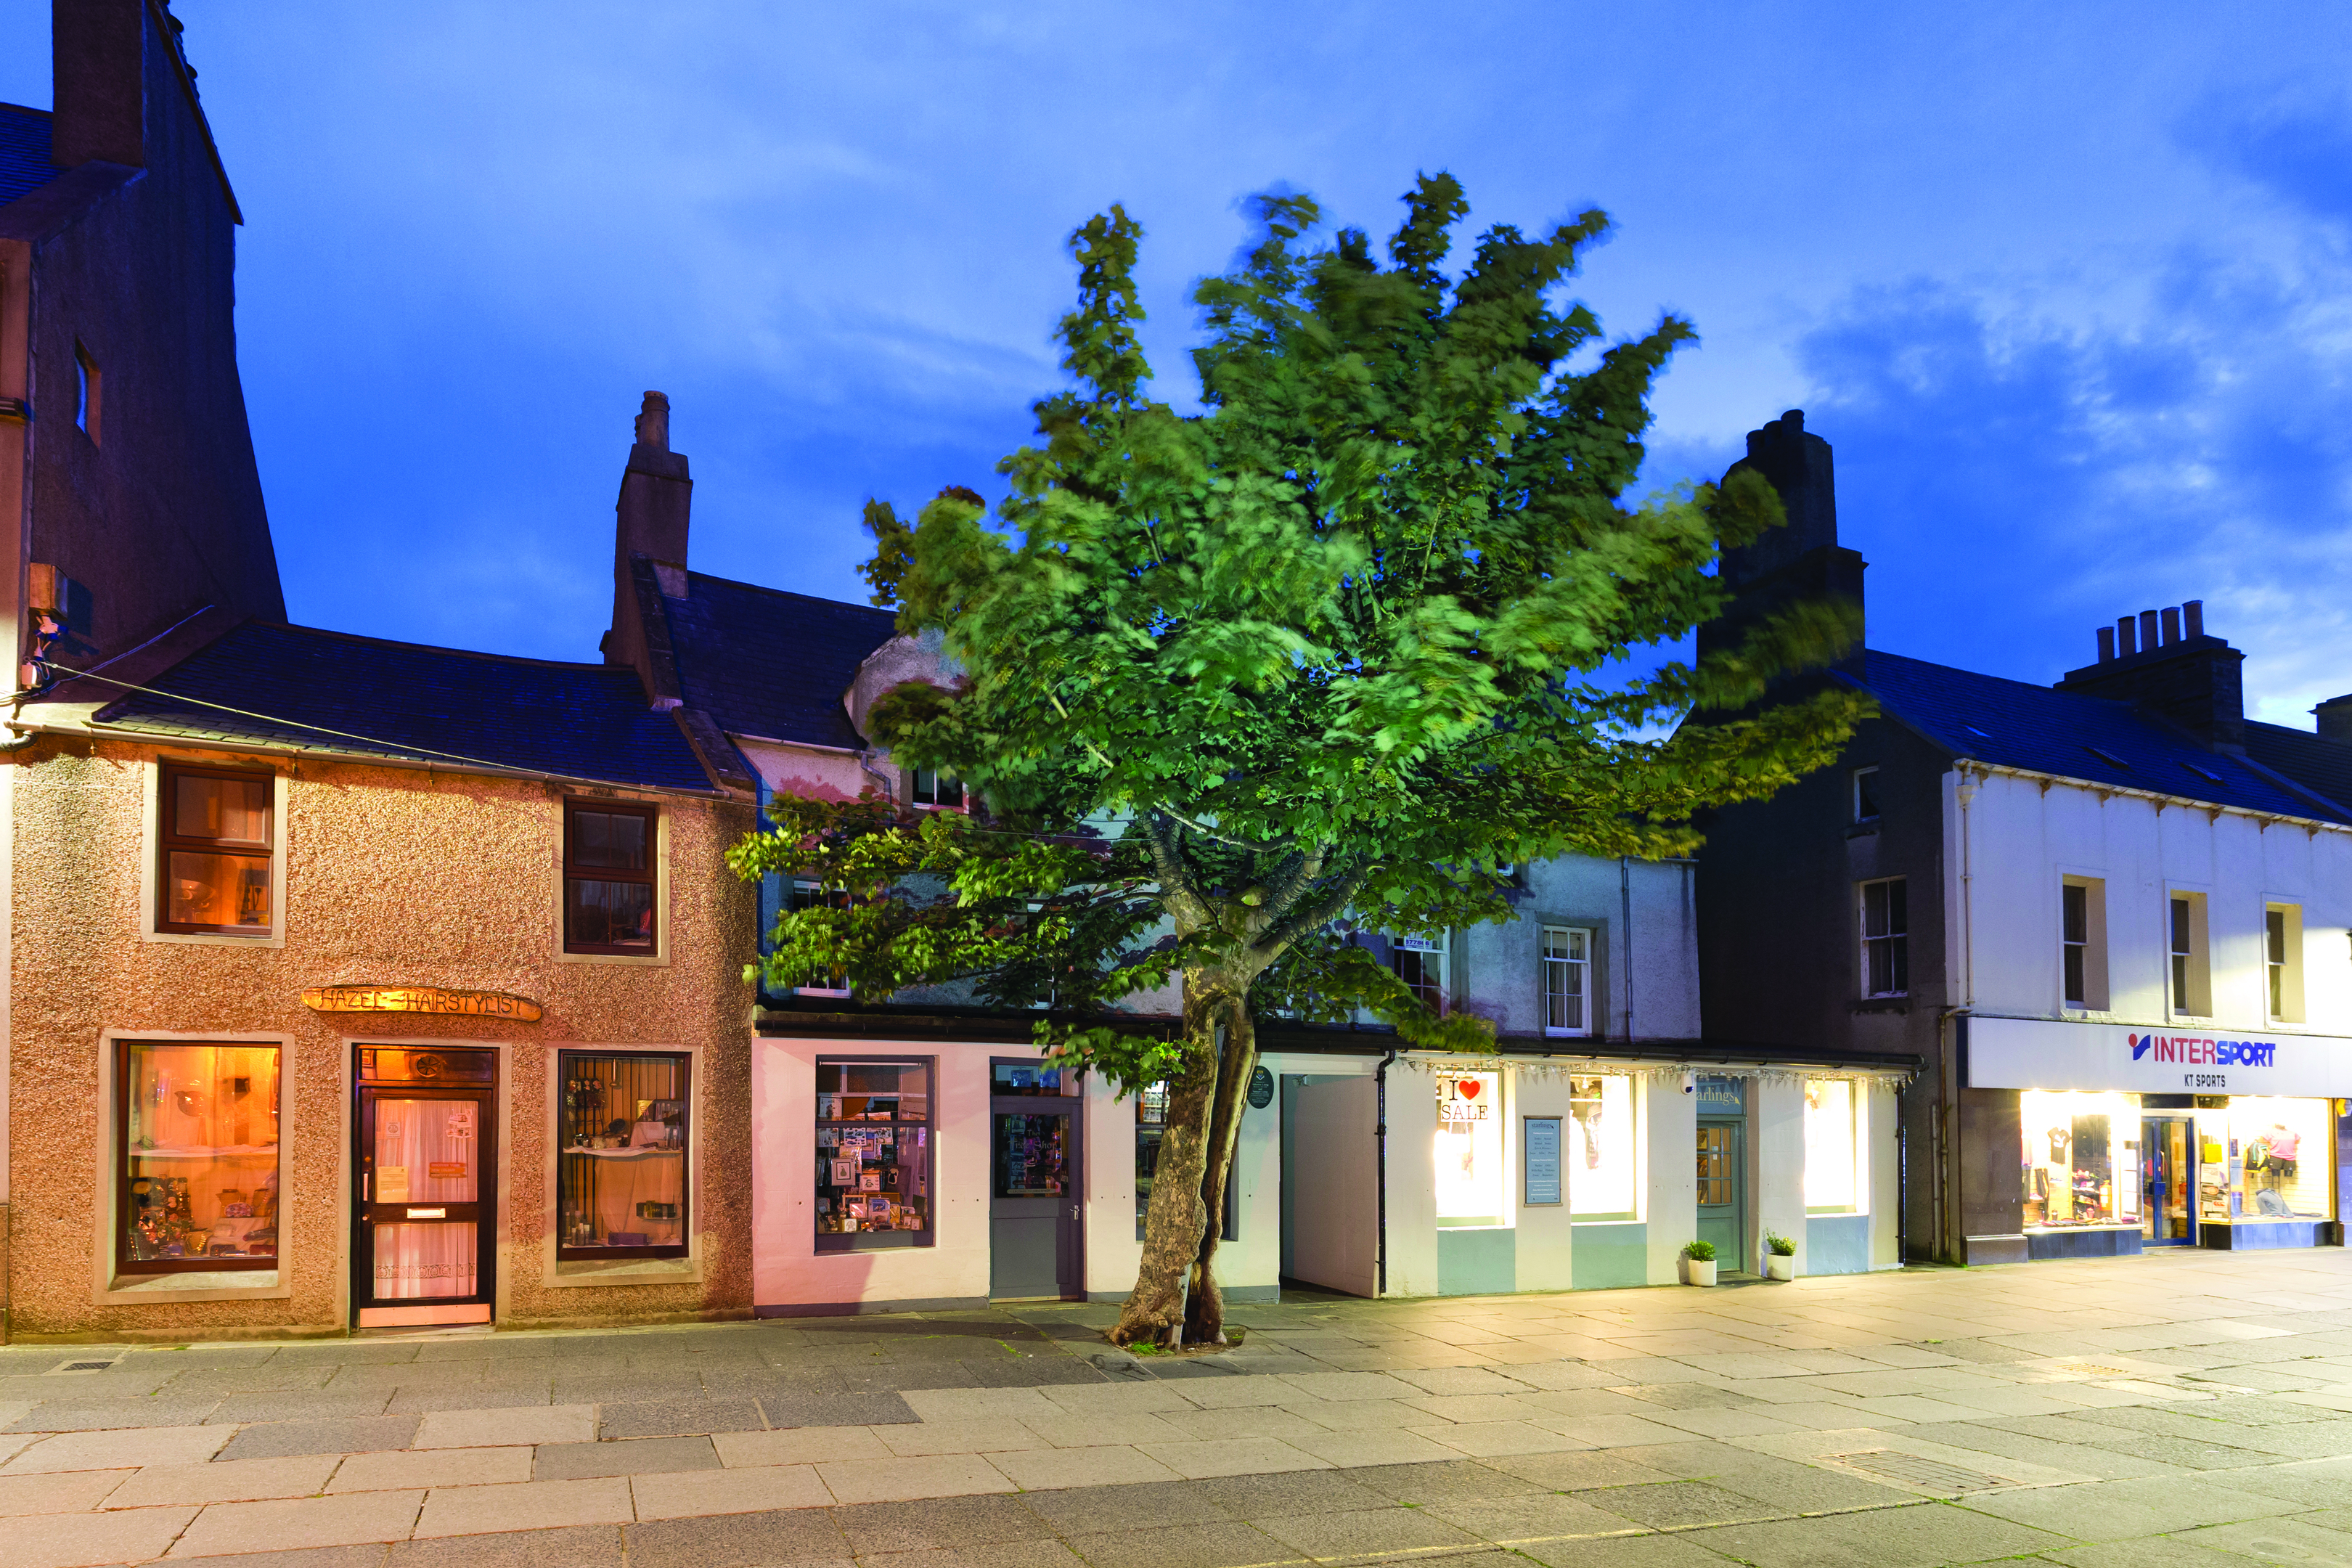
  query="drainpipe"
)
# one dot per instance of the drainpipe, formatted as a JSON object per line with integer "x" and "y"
{"x": 1902, "y": 1191}
{"x": 1625, "y": 890}
{"x": 1380, "y": 1137}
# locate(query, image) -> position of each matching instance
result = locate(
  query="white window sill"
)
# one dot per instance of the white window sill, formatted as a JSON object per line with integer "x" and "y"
{"x": 223, "y": 1284}
{"x": 580, "y": 1271}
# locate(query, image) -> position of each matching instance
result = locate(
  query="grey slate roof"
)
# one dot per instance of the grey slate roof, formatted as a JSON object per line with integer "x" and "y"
{"x": 760, "y": 661}
{"x": 2319, "y": 765}
{"x": 24, "y": 152}
{"x": 2012, "y": 724}
{"x": 415, "y": 703}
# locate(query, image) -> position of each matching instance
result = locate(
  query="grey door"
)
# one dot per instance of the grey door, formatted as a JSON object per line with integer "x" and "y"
{"x": 1720, "y": 1196}
{"x": 1034, "y": 1238}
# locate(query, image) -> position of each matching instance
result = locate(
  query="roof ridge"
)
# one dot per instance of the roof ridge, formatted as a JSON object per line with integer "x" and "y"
{"x": 28, "y": 109}
{"x": 790, "y": 593}
{"x": 425, "y": 647}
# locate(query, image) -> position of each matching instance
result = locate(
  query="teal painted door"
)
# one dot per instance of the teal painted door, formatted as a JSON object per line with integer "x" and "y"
{"x": 1720, "y": 1195}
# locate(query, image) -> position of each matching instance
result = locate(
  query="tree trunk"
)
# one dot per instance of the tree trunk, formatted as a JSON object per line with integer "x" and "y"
{"x": 1154, "y": 1312}
{"x": 1205, "y": 1306}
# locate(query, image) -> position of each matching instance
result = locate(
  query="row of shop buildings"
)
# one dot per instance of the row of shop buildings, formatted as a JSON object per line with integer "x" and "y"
{"x": 358, "y": 985}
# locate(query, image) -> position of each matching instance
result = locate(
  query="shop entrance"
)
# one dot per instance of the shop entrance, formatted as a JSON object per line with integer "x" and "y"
{"x": 423, "y": 1243}
{"x": 1037, "y": 1237}
{"x": 1721, "y": 1194}
{"x": 2169, "y": 1149}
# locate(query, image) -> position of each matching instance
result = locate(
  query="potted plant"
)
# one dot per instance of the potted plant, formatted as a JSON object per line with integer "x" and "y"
{"x": 1779, "y": 1257}
{"x": 1698, "y": 1263}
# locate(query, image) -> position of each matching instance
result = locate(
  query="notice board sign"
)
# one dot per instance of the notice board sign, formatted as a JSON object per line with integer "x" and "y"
{"x": 1541, "y": 1161}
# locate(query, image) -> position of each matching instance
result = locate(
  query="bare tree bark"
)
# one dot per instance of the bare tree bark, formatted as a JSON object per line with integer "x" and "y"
{"x": 1205, "y": 1306}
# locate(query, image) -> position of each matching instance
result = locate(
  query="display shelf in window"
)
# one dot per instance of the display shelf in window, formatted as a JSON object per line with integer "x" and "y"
{"x": 873, "y": 1163}
{"x": 623, "y": 1178}
{"x": 197, "y": 1180}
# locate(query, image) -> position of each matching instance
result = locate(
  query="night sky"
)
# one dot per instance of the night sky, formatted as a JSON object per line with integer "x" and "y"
{"x": 2065, "y": 287}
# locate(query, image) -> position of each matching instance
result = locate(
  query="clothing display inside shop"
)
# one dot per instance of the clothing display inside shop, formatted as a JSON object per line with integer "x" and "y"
{"x": 2082, "y": 1159}
{"x": 2254, "y": 1165}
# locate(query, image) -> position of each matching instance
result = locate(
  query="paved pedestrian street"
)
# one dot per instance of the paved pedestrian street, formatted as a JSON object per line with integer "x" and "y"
{"x": 2181, "y": 1409}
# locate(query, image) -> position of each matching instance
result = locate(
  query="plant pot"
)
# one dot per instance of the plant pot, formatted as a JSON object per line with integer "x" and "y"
{"x": 1697, "y": 1273}
{"x": 1779, "y": 1265}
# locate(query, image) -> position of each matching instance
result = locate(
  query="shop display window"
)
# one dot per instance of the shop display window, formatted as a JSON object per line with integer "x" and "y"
{"x": 1600, "y": 1168}
{"x": 872, "y": 1154}
{"x": 216, "y": 846}
{"x": 1833, "y": 1166}
{"x": 1470, "y": 1176}
{"x": 622, "y": 1180}
{"x": 2262, "y": 1158}
{"x": 1150, "y": 1126}
{"x": 2081, "y": 1160}
{"x": 198, "y": 1179}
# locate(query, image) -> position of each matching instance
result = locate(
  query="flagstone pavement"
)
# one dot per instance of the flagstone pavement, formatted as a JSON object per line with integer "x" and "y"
{"x": 2180, "y": 1409}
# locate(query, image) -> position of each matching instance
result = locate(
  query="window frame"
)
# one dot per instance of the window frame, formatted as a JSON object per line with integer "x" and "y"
{"x": 2282, "y": 980}
{"x": 684, "y": 1246}
{"x": 915, "y": 776}
{"x": 1440, "y": 947}
{"x": 811, "y": 893}
{"x": 2095, "y": 996}
{"x": 1855, "y": 788}
{"x": 1547, "y": 961}
{"x": 1897, "y": 942}
{"x": 168, "y": 774}
{"x": 650, "y": 875}
{"x": 824, "y": 1243}
{"x": 125, "y": 1266}
{"x": 2188, "y": 969}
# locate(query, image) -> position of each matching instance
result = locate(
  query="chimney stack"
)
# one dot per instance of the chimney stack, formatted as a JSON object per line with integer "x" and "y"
{"x": 2335, "y": 717}
{"x": 648, "y": 547}
{"x": 1800, "y": 560}
{"x": 2161, "y": 660}
{"x": 98, "y": 66}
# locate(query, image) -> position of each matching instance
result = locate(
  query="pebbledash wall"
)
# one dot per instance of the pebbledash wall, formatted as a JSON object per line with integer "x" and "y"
{"x": 388, "y": 874}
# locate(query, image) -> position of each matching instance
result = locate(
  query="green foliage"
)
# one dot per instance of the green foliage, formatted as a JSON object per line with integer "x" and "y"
{"x": 1322, "y": 656}
{"x": 1699, "y": 1251}
{"x": 1779, "y": 1246}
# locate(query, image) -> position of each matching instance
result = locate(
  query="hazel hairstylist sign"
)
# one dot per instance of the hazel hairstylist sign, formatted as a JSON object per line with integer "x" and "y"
{"x": 2037, "y": 1052}
{"x": 420, "y": 999}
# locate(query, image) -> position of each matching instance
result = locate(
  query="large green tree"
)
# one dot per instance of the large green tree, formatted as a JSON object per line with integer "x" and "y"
{"x": 1329, "y": 653}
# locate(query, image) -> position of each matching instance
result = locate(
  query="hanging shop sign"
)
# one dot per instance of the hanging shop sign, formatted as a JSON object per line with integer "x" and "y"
{"x": 420, "y": 999}
{"x": 2036, "y": 1053}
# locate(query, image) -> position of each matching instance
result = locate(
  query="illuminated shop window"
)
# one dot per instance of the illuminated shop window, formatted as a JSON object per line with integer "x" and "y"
{"x": 622, "y": 1181}
{"x": 1470, "y": 1178}
{"x": 2263, "y": 1158}
{"x": 1833, "y": 1143}
{"x": 2081, "y": 1160}
{"x": 198, "y": 1181}
{"x": 1600, "y": 1153}
{"x": 872, "y": 1154}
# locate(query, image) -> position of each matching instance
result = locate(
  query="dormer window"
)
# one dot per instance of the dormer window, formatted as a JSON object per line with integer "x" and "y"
{"x": 929, "y": 788}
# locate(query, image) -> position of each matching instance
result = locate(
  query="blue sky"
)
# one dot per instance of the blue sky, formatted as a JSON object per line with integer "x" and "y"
{"x": 2065, "y": 287}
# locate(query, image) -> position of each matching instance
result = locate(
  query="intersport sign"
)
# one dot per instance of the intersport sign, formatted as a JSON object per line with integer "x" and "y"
{"x": 2037, "y": 1052}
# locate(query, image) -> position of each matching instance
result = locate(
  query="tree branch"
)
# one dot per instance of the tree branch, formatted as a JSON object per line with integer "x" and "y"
{"x": 1324, "y": 906}
{"x": 1285, "y": 842}
{"x": 1176, "y": 889}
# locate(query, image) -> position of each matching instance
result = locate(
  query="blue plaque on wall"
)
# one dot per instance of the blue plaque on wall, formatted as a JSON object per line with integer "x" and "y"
{"x": 1542, "y": 1161}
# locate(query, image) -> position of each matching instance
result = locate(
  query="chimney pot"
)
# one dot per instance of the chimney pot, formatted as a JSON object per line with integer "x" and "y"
{"x": 2171, "y": 626}
{"x": 2192, "y": 617}
{"x": 1794, "y": 418}
{"x": 2147, "y": 628}
{"x": 653, "y": 422}
{"x": 2127, "y": 637}
{"x": 2107, "y": 644}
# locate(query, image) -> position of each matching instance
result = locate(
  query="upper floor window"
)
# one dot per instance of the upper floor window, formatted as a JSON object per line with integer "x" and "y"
{"x": 1885, "y": 939}
{"x": 811, "y": 894}
{"x": 2189, "y": 976}
{"x": 1568, "y": 980}
{"x": 1420, "y": 963}
{"x": 929, "y": 787}
{"x": 2283, "y": 961}
{"x": 608, "y": 877}
{"x": 2083, "y": 941}
{"x": 1865, "y": 794}
{"x": 86, "y": 389}
{"x": 215, "y": 847}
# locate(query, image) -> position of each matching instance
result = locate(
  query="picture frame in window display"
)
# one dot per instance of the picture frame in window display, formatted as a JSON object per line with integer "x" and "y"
{"x": 1601, "y": 1153}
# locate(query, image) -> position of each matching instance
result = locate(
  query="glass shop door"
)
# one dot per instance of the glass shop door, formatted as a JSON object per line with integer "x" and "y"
{"x": 423, "y": 1214}
{"x": 1037, "y": 1237}
{"x": 1722, "y": 1201}
{"x": 2167, "y": 1157}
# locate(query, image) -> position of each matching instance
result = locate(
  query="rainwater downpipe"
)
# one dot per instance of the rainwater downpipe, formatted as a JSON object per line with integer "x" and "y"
{"x": 1625, "y": 890}
{"x": 1381, "y": 1139}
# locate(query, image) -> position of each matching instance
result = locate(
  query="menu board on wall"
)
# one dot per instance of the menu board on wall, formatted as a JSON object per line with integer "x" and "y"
{"x": 1542, "y": 1161}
